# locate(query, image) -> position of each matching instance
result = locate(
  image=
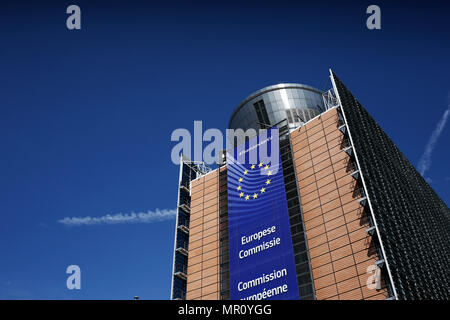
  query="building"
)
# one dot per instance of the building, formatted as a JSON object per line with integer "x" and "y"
{"x": 357, "y": 209}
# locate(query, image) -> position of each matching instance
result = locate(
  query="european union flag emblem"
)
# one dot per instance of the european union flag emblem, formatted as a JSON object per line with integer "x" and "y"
{"x": 261, "y": 255}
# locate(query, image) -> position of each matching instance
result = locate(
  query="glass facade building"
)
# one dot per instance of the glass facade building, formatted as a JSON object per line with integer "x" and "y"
{"x": 355, "y": 204}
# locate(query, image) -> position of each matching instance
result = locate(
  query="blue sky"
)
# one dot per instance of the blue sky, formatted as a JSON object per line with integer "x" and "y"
{"x": 86, "y": 116}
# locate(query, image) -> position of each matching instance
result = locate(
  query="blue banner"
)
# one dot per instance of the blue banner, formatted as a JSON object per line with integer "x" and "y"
{"x": 262, "y": 265}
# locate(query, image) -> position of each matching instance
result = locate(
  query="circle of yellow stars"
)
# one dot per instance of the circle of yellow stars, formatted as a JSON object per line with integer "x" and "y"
{"x": 262, "y": 190}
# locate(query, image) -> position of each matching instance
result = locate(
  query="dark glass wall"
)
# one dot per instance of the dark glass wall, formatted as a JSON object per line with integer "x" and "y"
{"x": 413, "y": 222}
{"x": 188, "y": 172}
{"x": 301, "y": 255}
{"x": 224, "y": 260}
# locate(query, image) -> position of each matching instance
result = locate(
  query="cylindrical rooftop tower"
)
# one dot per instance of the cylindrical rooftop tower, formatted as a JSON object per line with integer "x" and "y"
{"x": 297, "y": 103}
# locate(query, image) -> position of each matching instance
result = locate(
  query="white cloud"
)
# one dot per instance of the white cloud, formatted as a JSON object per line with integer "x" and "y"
{"x": 425, "y": 159}
{"x": 140, "y": 217}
